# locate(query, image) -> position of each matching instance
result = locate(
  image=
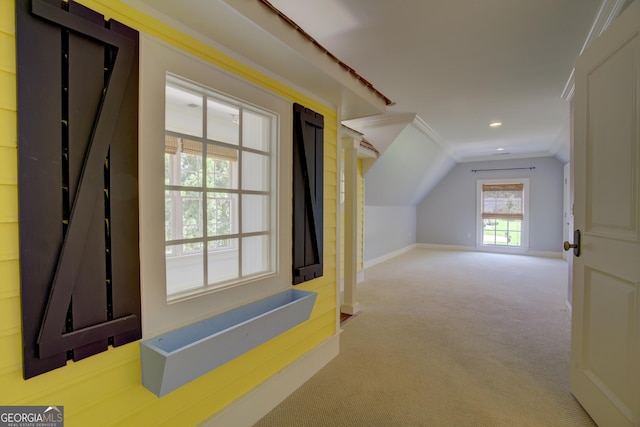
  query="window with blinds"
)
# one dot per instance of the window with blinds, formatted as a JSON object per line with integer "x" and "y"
{"x": 502, "y": 213}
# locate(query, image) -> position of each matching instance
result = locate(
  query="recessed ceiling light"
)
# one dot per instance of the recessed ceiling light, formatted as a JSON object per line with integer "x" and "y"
{"x": 500, "y": 149}
{"x": 495, "y": 124}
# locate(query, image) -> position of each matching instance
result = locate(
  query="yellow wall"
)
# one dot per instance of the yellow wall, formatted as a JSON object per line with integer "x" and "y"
{"x": 105, "y": 389}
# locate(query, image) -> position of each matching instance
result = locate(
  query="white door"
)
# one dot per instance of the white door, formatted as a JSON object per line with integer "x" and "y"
{"x": 605, "y": 347}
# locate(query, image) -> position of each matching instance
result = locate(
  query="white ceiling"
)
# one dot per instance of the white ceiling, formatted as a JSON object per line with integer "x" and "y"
{"x": 453, "y": 66}
{"x": 462, "y": 64}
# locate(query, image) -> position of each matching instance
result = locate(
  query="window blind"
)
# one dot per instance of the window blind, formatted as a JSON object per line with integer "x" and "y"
{"x": 502, "y": 201}
{"x": 195, "y": 148}
{"x": 170, "y": 144}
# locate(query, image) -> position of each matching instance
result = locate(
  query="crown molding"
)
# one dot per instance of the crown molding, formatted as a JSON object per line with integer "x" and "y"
{"x": 381, "y": 120}
{"x": 423, "y": 127}
{"x": 515, "y": 156}
{"x": 609, "y": 10}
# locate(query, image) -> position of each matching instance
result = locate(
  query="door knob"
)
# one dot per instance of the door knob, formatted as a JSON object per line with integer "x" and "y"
{"x": 575, "y": 245}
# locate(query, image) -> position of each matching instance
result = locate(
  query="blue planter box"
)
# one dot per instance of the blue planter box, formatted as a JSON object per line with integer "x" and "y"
{"x": 173, "y": 359}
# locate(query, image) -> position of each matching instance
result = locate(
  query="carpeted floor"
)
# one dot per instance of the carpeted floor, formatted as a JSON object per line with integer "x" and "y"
{"x": 448, "y": 339}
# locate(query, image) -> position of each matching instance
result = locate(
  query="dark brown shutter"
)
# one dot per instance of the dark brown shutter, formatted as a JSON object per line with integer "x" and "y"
{"x": 308, "y": 182}
{"x": 78, "y": 191}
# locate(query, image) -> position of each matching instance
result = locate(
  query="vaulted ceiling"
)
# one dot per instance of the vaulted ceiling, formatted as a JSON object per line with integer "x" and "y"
{"x": 450, "y": 68}
{"x": 462, "y": 65}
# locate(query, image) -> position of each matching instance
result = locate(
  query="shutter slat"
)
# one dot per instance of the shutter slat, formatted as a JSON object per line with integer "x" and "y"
{"x": 86, "y": 78}
{"x": 39, "y": 171}
{"x": 125, "y": 255}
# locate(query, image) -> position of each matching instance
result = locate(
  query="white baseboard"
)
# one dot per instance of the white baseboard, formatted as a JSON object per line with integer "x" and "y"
{"x": 543, "y": 254}
{"x": 446, "y": 247}
{"x": 546, "y": 254}
{"x": 250, "y": 408}
{"x": 388, "y": 256}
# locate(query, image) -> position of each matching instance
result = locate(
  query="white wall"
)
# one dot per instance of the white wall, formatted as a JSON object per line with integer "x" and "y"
{"x": 410, "y": 166}
{"x": 447, "y": 215}
{"x": 388, "y": 229}
{"x": 407, "y": 170}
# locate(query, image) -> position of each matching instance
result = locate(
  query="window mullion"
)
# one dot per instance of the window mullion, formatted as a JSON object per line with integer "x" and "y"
{"x": 176, "y": 198}
{"x": 240, "y": 187}
{"x": 205, "y": 198}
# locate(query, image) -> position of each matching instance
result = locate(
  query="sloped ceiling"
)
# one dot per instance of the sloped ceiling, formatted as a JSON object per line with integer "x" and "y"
{"x": 460, "y": 65}
{"x": 457, "y": 66}
{"x": 408, "y": 168}
{"x": 450, "y": 67}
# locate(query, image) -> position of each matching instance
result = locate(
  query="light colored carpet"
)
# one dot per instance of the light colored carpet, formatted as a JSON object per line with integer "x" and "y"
{"x": 448, "y": 338}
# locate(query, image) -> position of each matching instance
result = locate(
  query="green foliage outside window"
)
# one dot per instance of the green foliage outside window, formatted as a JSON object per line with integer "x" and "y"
{"x": 189, "y": 225}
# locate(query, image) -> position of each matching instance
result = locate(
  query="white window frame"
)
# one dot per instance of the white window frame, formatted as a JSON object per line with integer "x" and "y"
{"x": 158, "y": 315}
{"x": 524, "y": 242}
{"x": 205, "y": 258}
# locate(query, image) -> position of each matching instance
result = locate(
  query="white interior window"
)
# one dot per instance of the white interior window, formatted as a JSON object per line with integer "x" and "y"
{"x": 220, "y": 190}
{"x": 215, "y": 189}
{"x": 503, "y": 214}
